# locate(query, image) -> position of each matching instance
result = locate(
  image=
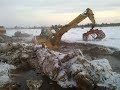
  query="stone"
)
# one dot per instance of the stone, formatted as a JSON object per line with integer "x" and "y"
{"x": 34, "y": 84}
{"x": 19, "y": 34}
{"x": 116, "y": 54}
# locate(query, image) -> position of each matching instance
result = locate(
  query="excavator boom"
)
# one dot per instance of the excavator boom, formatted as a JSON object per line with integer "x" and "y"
{"x": 88, "y": 13}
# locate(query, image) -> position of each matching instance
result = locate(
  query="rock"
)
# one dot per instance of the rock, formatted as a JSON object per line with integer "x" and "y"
{"x": 5, "y": 38}
{"x": 24, "y": 56}
{"x": 13, "y": 86}
{"x": 1, "y": 40}
{"x": 104, "y": 87}
{"x": 19, "y": 34}
{"x": 116, "y": 54}
{"x": 34, "y": 84}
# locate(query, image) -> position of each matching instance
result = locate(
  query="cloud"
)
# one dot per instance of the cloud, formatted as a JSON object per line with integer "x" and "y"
{"x": 32, "y": 12}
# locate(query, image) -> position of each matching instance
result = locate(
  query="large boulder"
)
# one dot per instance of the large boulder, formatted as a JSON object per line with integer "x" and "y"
{"x": 73, "y": 70}
{"x": 19, "y": 34}
{"x": 16, "y": 54}
{"x": 1, "y": 39}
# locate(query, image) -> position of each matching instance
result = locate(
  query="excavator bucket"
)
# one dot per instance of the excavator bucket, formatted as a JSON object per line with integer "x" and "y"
{"x": 95, "y": 34}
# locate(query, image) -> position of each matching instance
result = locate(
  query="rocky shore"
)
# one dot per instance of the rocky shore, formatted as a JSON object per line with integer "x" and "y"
{"x": 75, "y": 66}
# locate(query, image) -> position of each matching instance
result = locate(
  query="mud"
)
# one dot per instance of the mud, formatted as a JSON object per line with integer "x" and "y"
{"x": 20, "y": 78}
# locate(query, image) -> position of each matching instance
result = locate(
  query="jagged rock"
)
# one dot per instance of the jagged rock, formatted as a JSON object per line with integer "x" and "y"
{"x": 16, "y": 54}
{"x": 24, "y": 56}
{"x": 34, "y": 84}
{"x": 73, "y": 70}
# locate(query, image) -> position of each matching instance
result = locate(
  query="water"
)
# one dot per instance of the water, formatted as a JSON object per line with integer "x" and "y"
{"x": 10, "y": 32}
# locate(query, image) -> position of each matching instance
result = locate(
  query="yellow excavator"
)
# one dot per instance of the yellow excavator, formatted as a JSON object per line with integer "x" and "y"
{"x": 52, "y": 40}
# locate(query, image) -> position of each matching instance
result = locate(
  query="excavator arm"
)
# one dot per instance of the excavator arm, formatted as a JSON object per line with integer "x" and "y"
{"x": 88, "y": 13}
{"x": 53, "y": 41}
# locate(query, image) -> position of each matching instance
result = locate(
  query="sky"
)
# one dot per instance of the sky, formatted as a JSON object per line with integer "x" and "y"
{"x": 48, "y": 12}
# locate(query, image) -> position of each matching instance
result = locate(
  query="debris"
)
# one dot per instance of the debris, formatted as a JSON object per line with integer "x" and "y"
{"x": 4, "y": 73}
{"x": 70, "y": 69}
{"x": 76, "y": 71}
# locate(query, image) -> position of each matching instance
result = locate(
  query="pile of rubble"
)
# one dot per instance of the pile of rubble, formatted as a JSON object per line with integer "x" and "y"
{"x": 15, "y": 54}
{"x": 70, "y": 69}
{"x": 73, "y": 70}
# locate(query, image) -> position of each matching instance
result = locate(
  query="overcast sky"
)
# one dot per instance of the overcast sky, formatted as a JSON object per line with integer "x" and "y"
{"x": 48, "y": 12}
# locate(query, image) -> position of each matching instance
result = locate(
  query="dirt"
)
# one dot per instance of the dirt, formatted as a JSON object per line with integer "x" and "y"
{"x": 48, "y": 84}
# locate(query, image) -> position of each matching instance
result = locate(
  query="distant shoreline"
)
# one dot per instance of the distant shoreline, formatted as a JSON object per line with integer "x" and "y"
{"x": 59, "y": 26}
{"x": 73, "y": 27}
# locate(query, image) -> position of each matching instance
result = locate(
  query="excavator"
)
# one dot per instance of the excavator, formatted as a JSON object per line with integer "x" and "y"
{"x": 52, "y": 40}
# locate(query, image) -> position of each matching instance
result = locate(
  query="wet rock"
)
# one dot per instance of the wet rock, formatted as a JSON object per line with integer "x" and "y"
{"x": 84, "y": 82}
{"x": 16, "y": 54}
{"x": 34, "y": 84}
{"x": 104, "y": 87}
{"x": 116, "y": 54}
{"x": 73, "y": 70}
